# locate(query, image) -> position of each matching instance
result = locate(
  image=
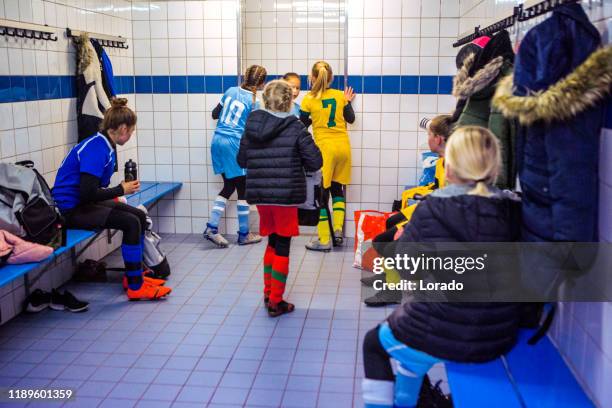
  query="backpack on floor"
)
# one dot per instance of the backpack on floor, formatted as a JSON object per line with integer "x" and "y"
{"x": 27, "y": 208}
{"x": 90, "y": 270}
{"x": 308, "y": 213}
{"x": 153, "y": 256}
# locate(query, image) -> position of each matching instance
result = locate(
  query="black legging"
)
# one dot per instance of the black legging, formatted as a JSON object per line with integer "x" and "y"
{"x": 280, "y": 244}
{"x": 383, "y": 243}
{"x": 130, "y": 220}
{"x": 376, "y": 363}
{"x": 232, "y": 184}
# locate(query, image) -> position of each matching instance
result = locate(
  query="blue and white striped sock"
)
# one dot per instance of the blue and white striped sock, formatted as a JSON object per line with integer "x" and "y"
{"x": 243, "y": 217}
{"x": 377, "y": 393}
{"x": 217, "y": 212}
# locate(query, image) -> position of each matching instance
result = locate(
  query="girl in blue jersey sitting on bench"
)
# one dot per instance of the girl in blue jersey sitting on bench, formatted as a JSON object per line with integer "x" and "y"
{"x": 82, "y": 194}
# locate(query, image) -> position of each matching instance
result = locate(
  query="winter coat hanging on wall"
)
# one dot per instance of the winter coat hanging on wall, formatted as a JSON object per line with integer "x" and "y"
{"x": 92, "y": 99}
{"x": 559, "y": 91}
{"x": 475, "y": 83}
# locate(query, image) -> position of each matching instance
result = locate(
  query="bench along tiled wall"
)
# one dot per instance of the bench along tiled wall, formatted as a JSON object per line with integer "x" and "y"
{"x": 41, "y": 126}
{"x": 582, "y": 331}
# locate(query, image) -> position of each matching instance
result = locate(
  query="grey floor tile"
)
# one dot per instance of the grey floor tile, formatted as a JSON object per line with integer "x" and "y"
{"x": 209, "y": 344}
{"x": 194, "y": 394}
{"x": 162, "y": 392}
{"x": 230, "y": 396}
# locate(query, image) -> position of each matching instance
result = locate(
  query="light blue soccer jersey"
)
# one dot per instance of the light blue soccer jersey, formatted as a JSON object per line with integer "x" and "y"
{"x": 237, "y": 103}
{"x": 295, "y": 110}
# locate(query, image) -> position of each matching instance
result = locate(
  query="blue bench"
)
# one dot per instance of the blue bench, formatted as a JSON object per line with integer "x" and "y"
{"x": 150, "y": 192}
{"x": 527, "y": 377}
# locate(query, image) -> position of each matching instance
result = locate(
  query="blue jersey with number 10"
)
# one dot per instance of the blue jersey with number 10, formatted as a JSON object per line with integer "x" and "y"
{"x": 237, "y": 104}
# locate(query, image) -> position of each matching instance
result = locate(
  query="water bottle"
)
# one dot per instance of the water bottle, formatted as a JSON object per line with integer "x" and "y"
{"x": 131, "y": 172}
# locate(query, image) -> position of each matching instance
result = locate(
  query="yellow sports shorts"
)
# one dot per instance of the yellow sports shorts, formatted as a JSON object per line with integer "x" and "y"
{"x": 336, "y": 162}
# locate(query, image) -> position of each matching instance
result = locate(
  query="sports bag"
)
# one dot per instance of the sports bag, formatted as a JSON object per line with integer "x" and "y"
{"x": 27, "y": 208}
{"x": 153, "y": 256}
{"x": 368, "y": 224}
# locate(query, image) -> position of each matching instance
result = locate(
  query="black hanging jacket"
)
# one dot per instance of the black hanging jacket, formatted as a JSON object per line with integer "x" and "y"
{"x": 463, "y": 332}
{"x": 276, "y": 151}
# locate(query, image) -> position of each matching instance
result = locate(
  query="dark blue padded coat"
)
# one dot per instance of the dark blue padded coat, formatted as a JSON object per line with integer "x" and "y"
{"x": 464, "y": 332}
{"x": 559, "y": 91}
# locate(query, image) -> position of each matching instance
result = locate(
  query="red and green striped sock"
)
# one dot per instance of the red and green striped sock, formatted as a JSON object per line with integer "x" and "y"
{"x": 280, "y": 270}
{"x": 267, "y": 261}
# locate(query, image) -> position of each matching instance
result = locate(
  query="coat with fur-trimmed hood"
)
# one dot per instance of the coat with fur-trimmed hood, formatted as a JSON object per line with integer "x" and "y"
{"x": 475, "y": 84}
{"x": 559, "y": 92}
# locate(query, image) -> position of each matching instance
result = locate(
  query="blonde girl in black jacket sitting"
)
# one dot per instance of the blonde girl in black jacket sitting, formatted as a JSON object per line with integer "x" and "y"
{"x": 276, "y": 149}
{"x": 421, "y": 334}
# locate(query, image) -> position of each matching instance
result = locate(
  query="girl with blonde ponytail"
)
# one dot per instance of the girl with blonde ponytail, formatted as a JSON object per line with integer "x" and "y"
{"x": 473, "y": 157}
{"x": 469, "y": 209}
{"x": 329, "y": 110}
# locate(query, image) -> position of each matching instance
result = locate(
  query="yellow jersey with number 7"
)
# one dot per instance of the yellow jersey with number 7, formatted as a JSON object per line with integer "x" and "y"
{"x": 327, "y": 116}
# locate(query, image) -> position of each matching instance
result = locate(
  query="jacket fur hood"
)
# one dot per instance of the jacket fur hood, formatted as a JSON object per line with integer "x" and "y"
{"x": 465, "y": 86}
{"x": 85, "y": 52}
{"x": 589, "y": 84}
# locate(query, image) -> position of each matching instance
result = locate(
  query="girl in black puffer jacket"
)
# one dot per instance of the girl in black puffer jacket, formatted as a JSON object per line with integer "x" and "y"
{"x": 276, "y": 149}
{"x": 420, "y": 334}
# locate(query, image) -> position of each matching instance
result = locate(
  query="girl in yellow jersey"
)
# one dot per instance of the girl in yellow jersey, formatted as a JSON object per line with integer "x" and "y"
{"x": 329, "y": 110}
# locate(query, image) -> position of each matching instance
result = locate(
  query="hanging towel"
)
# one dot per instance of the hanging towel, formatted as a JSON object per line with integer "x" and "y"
{"x": 92, "y": 100}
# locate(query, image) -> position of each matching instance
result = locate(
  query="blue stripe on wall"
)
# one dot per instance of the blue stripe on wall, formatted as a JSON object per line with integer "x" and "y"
{"x": 32, "y": 88}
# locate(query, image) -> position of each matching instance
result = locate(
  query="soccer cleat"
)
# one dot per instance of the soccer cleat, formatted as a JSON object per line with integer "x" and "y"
{"x": 248, "y": 239}
{"x": 384, "y": 298}
{"x": 213, "y": 236}
{"x": 280, "y": 309}
{"x": 370, "y": 280}
{"x": 152, "y": 281}
{"x": 148, "y": 292}
{"x": 338, "y": 238}
{"x": 318, "y": 246}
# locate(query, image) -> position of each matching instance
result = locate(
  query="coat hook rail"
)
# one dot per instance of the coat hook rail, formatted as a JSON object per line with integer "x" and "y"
{"x": 109, "y": 41}
{"x": 523, "y": 12}
{"x": 11, "y": 28}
